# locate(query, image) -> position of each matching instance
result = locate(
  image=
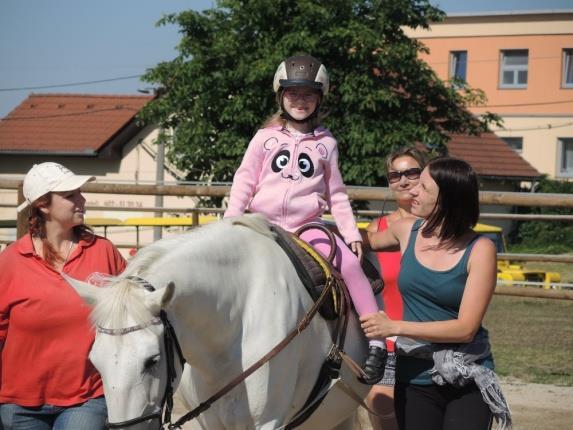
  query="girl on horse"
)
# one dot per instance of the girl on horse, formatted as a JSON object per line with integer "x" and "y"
{"x": 290, "y": 174}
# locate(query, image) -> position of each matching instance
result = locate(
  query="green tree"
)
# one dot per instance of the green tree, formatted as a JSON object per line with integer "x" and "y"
{"x": 218, "y": 90}
{"x": 552, "y": 237}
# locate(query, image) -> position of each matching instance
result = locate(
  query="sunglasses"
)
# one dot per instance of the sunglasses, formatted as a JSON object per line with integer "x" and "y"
{"x": 412, "y": 174}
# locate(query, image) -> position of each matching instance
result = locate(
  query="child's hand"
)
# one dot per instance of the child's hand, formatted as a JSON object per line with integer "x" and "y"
{"x": 357, "y": 249}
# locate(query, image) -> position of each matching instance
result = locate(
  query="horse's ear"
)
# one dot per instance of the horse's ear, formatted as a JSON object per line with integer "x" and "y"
{"x": 159, "y": 299}
{"x": 90, "y": 293}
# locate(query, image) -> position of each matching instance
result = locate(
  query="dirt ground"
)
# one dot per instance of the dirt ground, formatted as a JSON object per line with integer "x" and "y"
{"x": 534, "y": 407}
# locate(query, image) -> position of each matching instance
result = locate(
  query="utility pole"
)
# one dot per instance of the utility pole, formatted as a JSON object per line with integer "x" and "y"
{"x": 159, "y": 180}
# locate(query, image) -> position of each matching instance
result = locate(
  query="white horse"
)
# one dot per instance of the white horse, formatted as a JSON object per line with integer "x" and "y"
{"x": 231, "y": 294}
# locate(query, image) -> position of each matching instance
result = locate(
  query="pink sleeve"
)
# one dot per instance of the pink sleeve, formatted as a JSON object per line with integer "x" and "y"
{"x": 246, "y": 179}
{"x": 339, "y": 202}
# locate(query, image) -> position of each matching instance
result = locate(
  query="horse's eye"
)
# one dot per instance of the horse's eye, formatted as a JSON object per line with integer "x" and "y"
{"x": 151, "y": 362}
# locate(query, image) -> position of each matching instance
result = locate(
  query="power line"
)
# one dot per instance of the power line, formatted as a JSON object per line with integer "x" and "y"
{"x": 524, "y": 104}
{"x": 41, "y": 87}
{"x": 68, "y": 114}
{"x": 540, "y": 127}
{"x": 495, "y": 60}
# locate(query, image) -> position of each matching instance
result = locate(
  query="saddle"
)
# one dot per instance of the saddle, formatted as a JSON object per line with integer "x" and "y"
{"x": 315, "y": 271}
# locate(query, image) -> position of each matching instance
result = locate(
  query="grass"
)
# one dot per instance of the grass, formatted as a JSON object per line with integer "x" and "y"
{"x": 532, "y": 339}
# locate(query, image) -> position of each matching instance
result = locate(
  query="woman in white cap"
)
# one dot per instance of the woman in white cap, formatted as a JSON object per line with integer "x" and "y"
{"x": 47, "y": 379}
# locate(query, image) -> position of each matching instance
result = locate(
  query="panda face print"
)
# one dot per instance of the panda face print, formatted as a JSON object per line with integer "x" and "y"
{"x": 295, "y": 170}
{"x": 281, "y": 163}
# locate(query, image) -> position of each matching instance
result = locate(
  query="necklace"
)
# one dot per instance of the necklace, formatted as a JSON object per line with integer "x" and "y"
{"x": 68, "y": 253}
{"x": 38, "y": 250}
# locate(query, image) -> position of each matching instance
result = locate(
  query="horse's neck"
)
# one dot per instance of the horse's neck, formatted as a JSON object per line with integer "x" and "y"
{"x": 206, "y": 319}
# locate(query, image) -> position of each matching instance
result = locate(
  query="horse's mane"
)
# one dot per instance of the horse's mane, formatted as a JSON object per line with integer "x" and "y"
{"x": 255, "y": 222}
{"x": 124, "y": 296}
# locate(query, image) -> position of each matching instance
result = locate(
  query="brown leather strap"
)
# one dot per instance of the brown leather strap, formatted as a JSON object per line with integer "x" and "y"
{"x": 304, "y": 322}
{"x": 325, "y": 230}
{"x": 347, "y": 389}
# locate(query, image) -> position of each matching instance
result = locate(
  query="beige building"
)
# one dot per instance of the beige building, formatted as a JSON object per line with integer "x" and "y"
{"x": 523, "y": 61}
{"x": 92, "y": 135}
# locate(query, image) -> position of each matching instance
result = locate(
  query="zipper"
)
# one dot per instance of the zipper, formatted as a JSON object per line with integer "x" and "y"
{"x": 293, "y": 162}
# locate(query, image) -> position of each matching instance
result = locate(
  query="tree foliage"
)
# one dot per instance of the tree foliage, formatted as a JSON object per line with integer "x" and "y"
{"x": 218, "y": 90}
{"x": 550, "y": 237}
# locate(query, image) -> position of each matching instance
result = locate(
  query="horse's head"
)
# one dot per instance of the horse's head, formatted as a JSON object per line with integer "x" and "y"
{"x": 130, "y": 350}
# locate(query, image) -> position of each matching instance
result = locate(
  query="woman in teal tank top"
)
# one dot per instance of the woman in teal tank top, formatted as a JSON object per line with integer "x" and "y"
{"x": 447, "y": 279}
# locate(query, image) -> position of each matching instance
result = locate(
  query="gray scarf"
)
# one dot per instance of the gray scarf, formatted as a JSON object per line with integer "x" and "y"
{"x": 455, "y": 364}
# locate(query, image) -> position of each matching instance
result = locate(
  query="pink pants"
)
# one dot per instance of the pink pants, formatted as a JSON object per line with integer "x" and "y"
{"x": 348, "y": 265}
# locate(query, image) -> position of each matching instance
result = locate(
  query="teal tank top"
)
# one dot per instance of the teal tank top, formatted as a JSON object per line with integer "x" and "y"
{"x": 429, "y": 295}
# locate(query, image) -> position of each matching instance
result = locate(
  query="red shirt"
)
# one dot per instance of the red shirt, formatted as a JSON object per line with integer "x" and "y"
{"x": 45, "y": 327}
{"x": 391, "y": 297}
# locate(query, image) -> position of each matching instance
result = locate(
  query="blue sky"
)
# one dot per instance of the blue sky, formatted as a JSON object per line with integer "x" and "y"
{"x": 54, "y": 42}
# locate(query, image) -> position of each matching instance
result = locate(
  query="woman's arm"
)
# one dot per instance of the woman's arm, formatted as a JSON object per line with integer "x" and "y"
{"x": 480, "y": 285}
{"x": 396, "y": 235}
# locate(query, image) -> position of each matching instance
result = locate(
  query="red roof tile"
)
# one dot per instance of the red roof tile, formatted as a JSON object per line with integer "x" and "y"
{"x": 490, "y": 156}
{"x": 79, "y": 123}
{"x": 69, "y": 123}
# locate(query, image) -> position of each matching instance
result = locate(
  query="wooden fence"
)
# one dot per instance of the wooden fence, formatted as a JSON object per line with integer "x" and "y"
{"x": 355, "y": 193}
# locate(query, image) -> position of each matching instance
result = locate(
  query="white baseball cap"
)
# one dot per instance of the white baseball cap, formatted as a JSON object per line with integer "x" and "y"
{"x": 47, "y": 177}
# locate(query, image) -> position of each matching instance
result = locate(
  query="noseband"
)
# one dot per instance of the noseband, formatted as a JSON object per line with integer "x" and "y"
{"x": 170, "y": 341}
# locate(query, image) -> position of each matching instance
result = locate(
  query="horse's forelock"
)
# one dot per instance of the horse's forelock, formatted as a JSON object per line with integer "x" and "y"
{"x": 119, "y": 301}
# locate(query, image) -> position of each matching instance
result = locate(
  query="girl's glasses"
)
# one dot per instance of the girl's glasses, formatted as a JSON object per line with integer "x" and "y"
{"x": 292, "y": 96}
{"x": 412, "y": 174}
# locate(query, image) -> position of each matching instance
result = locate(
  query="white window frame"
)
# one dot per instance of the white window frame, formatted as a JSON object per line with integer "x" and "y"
{"x": 567, "y": 65}
{"x": 514, "y": 68}
{"x": 561, "y": 142}
{"x": 508, "y": 139}
{"x": 454, "y": 59}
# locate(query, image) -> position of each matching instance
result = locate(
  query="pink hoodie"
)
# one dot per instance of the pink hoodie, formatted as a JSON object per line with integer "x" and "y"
{"x": 292, "y": 182}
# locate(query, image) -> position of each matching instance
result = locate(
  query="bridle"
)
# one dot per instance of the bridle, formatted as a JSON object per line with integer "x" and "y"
{"x": 170, "y": 341}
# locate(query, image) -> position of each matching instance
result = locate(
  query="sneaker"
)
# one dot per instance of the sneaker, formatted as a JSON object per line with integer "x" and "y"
{"x": 374, "y": 365}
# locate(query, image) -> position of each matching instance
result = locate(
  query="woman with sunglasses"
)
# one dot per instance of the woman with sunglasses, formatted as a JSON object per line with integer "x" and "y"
{"x": 290, "y": 174}
{"x": 403, "y": 168}
{"x": 444, "y": 373}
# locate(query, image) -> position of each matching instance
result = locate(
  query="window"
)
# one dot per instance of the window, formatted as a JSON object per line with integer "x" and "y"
{"x": 567, "y": 68}
{"x": 458, "y": 64}
{"x": 515, "y": 143}
{"x": 513, "y": 70}
{"x": 565, "y": 155}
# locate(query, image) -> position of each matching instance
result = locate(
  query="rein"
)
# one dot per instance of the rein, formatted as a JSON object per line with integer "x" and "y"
{"x": 303, "y": 323}
{"x": 170, "y": 339}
